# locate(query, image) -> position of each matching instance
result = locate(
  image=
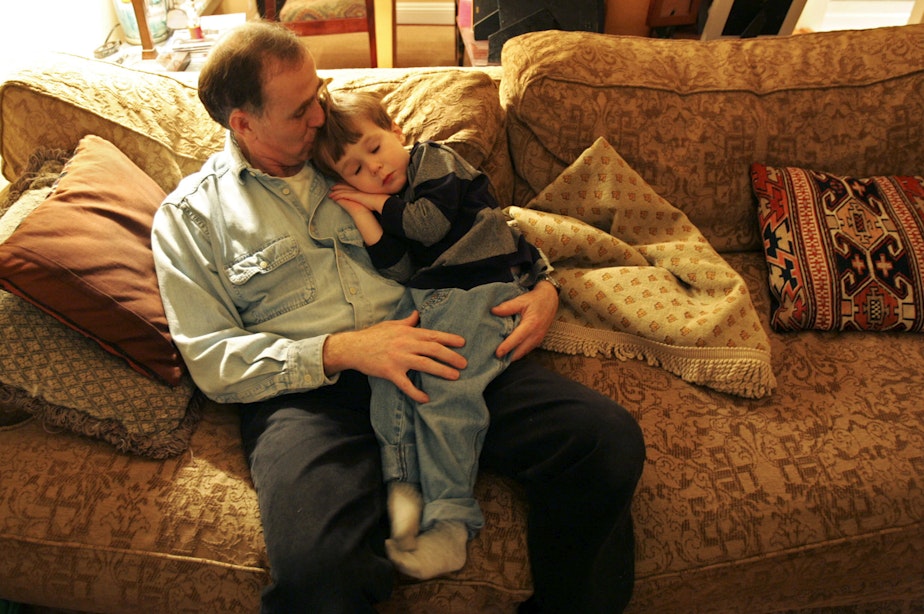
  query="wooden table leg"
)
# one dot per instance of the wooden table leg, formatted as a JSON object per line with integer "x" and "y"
{"x": 148, "y": 52}
{"x": 385, "y": 32}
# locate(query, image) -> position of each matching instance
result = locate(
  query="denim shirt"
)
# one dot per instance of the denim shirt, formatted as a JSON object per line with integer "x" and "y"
{"x": 253, "y": 281}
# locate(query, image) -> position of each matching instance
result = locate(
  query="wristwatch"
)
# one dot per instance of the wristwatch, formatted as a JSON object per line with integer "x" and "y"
{"x": 551, "y": 280}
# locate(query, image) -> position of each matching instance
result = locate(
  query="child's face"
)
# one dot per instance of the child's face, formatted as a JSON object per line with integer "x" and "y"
{"x": 377, "y": 163}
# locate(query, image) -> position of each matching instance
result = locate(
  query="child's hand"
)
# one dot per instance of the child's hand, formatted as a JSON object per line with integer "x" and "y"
{"x": 363, "y": 217}
{"x": 344, "y": 193}
{"x": 351, "y": 206}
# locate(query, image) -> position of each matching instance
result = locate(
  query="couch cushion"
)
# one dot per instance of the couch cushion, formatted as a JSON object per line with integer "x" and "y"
{"x": 85, "y": 528}
{"x": 843, "y": 253}
{"x": 62, "y": 97}
{"x": 51, "y": 371}
{"x": 809, "y": 498}
{"x": 691, "y": 117}
{"x": 458, "y": 108}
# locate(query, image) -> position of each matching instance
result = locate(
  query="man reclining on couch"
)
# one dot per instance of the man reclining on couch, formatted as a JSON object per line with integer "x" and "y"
{"x": 274, "y": 304}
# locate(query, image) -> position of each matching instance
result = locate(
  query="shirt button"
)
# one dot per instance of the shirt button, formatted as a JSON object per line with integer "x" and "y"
{"x": 286, "y": 191}
{"x": 264, "y": 264}
{"x": 353, "y": 290}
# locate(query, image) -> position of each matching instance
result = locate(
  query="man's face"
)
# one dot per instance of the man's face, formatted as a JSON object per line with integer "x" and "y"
{"x": 281, "y": 139}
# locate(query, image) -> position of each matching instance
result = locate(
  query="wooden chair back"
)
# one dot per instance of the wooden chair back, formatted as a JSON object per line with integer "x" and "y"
{"x": 345, "y": 19}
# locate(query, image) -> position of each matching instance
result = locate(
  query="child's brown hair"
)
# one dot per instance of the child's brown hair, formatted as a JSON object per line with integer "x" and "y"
{"x": 343, "y": 110}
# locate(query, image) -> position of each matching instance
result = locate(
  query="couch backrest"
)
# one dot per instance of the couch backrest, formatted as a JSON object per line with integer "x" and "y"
{"x": 457, "y": 107}
{"x": 158, "y": 121}
{"x": 692, "y": 116}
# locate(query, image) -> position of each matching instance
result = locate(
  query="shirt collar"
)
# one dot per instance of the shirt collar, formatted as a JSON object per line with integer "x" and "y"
{"x": 239, "y": 163}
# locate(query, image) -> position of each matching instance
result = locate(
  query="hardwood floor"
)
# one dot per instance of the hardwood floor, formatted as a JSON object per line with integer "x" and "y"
{"x": 416, "y": 45}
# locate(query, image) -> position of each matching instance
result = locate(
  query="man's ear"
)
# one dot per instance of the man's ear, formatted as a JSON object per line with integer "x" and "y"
{"x": 239, "y": 121}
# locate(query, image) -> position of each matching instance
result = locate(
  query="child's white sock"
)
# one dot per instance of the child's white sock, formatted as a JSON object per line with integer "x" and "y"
{"x": 404, "y": 507}
{"x": 440, "y": 550}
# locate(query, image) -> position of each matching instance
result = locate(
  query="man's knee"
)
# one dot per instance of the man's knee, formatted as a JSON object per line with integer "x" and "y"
{"x": 615, "y": 447}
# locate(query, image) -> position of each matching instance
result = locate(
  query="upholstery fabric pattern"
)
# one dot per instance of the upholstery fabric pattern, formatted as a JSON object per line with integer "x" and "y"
{"x": 691, "y": 117}
{"x": 640, "y": 281}
{"x": 54, "y": 109}
{"x": 844, "y": 253}
{"x": 90, "y": 526}
{"x": 319, "y": 10}
{"x": 756, "y": 505}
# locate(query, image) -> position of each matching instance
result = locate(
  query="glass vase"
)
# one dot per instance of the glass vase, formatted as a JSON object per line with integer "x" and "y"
{"x": 155, "y": 11}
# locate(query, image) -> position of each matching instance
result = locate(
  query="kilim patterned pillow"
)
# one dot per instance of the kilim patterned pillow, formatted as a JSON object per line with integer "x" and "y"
{"x": 843, "y": 253}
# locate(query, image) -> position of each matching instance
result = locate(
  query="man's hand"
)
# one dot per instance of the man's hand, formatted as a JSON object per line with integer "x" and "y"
{"x": 392, "y": 348}
{"x": 537, "y": 309}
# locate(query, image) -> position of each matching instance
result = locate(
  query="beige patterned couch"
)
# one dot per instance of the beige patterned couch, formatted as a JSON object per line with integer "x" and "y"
{"x": 809, "y": 498}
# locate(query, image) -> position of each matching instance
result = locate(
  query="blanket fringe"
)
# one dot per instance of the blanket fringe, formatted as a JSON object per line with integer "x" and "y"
{"x": 744, "y": 372}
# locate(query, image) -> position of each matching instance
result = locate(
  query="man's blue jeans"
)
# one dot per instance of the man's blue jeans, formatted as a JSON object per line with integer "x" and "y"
{"x": 437, "y": 444}
{"x": 316, "y": 465}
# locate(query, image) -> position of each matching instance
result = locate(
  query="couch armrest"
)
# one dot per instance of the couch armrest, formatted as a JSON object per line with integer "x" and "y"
{"x": 157, "y": 120}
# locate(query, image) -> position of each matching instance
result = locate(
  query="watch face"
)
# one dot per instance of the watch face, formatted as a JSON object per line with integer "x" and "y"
{"x": 551, "y": 280}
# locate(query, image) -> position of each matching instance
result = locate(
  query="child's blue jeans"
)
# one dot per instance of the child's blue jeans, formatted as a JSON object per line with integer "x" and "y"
{"x": 438, "y": 443}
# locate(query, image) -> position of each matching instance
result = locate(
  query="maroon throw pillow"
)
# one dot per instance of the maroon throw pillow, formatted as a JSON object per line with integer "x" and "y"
{"x": 84, "y": 256}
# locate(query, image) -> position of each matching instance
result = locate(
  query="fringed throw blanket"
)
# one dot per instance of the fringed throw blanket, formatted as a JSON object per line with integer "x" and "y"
{"x": 640, "y": 281}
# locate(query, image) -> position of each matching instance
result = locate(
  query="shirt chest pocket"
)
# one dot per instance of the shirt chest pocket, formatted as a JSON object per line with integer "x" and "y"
{"x": 270, "y": 281}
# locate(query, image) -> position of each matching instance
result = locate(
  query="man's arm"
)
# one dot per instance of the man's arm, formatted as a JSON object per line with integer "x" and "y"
{"x": 228, "y": 362}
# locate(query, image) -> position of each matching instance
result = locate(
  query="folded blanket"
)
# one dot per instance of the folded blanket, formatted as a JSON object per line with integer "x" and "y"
{"x": 639, "y": 280}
